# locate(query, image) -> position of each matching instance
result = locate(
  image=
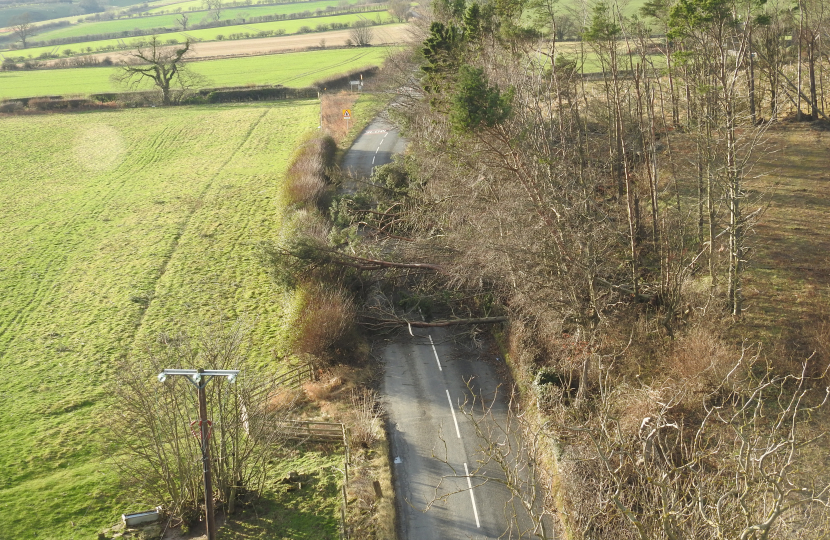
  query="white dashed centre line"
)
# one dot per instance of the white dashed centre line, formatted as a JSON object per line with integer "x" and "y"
{"x": 472, "y": 497}
{"x": 435, "y": 353}
{"x": 454, "y": 419}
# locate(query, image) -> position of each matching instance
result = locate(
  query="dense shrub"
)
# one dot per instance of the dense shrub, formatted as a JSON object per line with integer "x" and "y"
{"x": 306, "y": 179}
{"x": 341, "y": 81}
{"x": 257, "y": 94}
{"x": 47, "y": 104}
{"x": 327, "y": 318}
{"x": 11, "y": 106}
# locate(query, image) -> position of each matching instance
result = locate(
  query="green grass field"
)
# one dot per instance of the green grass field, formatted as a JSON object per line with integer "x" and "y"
{"x": 169, "y": 21}
{"x": 118, "y": 225}
{"x": 209, "y": 34}
{"x": 290, "y": 69}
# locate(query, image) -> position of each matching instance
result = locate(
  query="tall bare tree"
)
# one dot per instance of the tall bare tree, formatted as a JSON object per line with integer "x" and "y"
{"x": 400, "y": 9}
{"x": 22, "y": 26}
{"x": 214, "y": 7}
{"x": 361, "y": 33}
{"x": 182, "y": 21}
{"x": 165, "y": 67}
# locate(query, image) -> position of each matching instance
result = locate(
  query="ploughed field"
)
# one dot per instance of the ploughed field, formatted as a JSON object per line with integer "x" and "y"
{"x": 117, "y": 226}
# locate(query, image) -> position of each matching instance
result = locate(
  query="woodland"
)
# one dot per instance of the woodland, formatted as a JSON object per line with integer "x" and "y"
{"x": 592, "y": 187}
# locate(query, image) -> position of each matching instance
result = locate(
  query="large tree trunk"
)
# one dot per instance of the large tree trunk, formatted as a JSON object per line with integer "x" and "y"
{"x": 811, "y": 67}
{"x": 751, "y": 78}
{"x": 735, "y": 225}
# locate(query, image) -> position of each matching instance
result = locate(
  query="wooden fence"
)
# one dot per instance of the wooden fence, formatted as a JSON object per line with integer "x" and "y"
{"x": 315, "y": 431}
{"x": 295, "y": 377}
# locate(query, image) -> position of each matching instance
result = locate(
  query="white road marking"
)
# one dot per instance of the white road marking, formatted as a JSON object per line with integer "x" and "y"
{"x": 378, "y": 150}
{"x": 435, "y": 353}
{"x": 454, "y": 419}
{"x": 472, "y": 497}
{"x": 373, "y": 160}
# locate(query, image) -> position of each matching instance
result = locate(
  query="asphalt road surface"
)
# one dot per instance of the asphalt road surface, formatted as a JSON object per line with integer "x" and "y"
{"x": 373, "y": 148}
{"x": 434, "y": 445}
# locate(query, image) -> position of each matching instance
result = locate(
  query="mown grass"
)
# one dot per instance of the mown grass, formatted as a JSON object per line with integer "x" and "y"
{"x": 208, "y": 34}
{"x": 117, "y": 226}
{"x": 169, "y": 21}
{"x": 290, "y": 69}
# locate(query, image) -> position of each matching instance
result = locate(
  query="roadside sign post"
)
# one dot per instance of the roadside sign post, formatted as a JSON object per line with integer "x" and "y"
{"x": 347, "y": 115}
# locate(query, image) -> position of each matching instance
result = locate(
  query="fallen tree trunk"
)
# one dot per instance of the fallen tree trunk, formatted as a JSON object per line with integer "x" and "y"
{"x": 435, "y": 324}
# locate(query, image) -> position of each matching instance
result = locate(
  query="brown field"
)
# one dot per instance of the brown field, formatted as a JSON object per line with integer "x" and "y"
{"x": 787, "y": 286}
{"x": 209, "y": 50}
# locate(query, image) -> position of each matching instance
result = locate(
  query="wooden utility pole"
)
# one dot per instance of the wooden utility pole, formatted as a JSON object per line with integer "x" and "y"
{"x": 204, "y": 428}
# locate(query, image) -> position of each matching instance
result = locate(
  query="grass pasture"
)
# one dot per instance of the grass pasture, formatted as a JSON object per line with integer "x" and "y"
{"x": 787, "y": 287}
{"x": 290, "y": 69}
{"x": 114, "y": 46}
{"x": 118, "y": 225}
{"x": 169, "y": 22}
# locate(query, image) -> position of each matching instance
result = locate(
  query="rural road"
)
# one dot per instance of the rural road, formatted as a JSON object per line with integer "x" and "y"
{"x": 373, "y": 148}
{"x": 425, "y": 381}
{"x": 424, "y": 385}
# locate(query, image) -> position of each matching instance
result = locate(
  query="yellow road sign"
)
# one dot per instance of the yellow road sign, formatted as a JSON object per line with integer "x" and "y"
{"x": 347, "y": 114}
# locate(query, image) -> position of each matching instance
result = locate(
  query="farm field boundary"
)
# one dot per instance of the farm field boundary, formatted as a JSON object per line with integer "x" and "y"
{"x": 289, "y": 69}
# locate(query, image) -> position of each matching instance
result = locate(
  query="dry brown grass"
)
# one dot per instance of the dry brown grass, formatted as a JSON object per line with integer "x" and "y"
{"x": 701, "y": 358}
{"x": 636, "y": 404}
{"x": 789, "y": 261}
{"x": 333, "y": 106}
{"x": 365, "y": 421}
{"x": 322, "y": 390}
{"x": 285, "y": 400}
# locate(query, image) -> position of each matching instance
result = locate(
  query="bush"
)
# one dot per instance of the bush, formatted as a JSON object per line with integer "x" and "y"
{"x": 58, "y": 104}
{"x": 306, "y": 178}
{"x": 304, "y": 30}
{"x": 327, "y": 318}
{"x": 701, "y": 358}
{"x": 366, "y": 413}
{"x": 11, "y": 107}
{"x": 9, "y": 65}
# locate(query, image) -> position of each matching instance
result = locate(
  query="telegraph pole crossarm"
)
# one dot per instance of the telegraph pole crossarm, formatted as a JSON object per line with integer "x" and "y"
{"x": 199, "y": 378}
